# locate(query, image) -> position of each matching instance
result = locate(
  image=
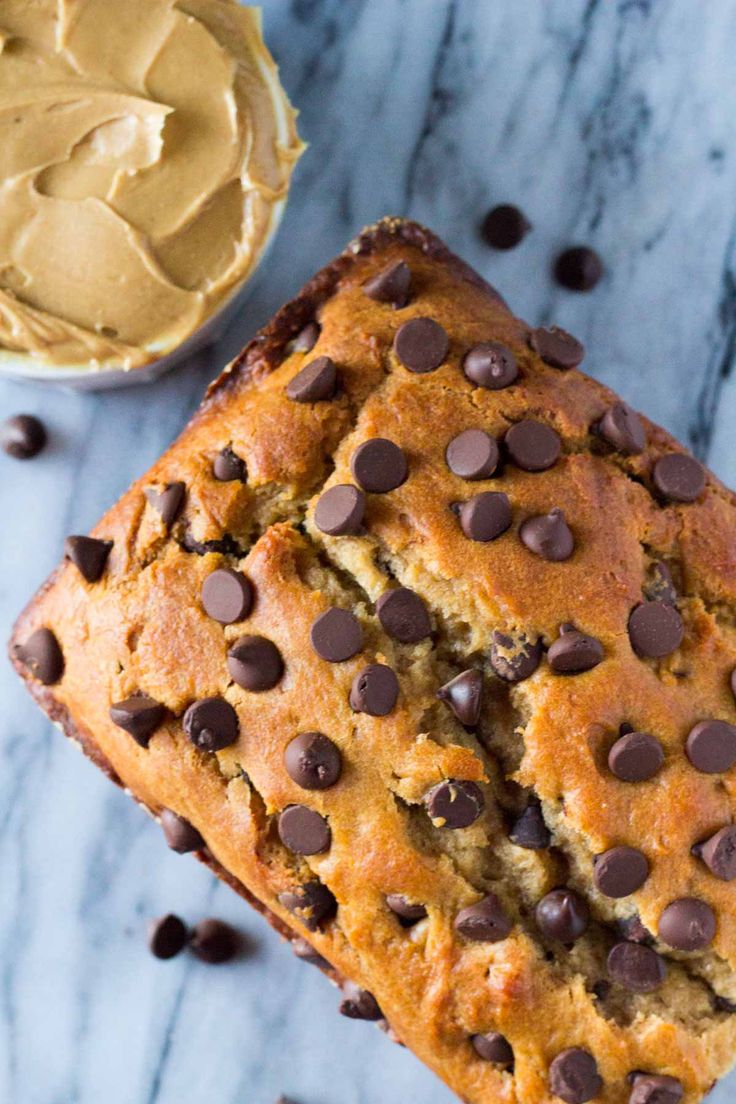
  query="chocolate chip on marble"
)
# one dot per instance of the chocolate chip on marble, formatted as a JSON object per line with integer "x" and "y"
{"x": 89, "y": 555}
{"x": 711, "y": 746}
{"x": 213, "y": 941}
{"x": 557, "y": 347}
{"x": 505, "y": 226}
{"x": 313, "y": 761}
{"x": 379, "y": 466}
{"x": 491, "y": 365}
{"x": 304, "y": 950}
{"x": 139, "y": 716}
{"x": 359, "y": 1004}
{"x": 655, "y": 629}
{"x": 532, "y": 446}
{"x": 548, "y": 536}
{"x": 493, "y": 1047}
{"x": 484, "y": 922}
{"x": 307, "y": 338}
{"x": 678, "y": 477}
{"x": 421, "y": 345}
{"x": 635, "y": 757}
{"x": 22, "y": 436}
{"x": 687, "y": 924}
{"x": 574, "y": 1077}
{"x": 529, "y": 830}
{"x": 464, "y": 695}
{"x": 180, "y": 835}
{"x": 620, "y": 871}
{"x": 574, "y": 652}
{"x": 375, "y": 690}
{"x": 255, "y": 663}
{"x": 167, "y": 936}
{"x": 636, "y": 967}
{"x": 485, "y": 516}
{"x": 316, "y": 382}
{"x": 340, "y": 510}
{"x": 227, "y": 596}
{"x": 405, "y": 909}
{"x": 622, "y": 428}
{"x": 42, "y": 656}
{"x": 167, "y": 502}
{"x": 651, "y": 1088}
{"x": 304, "y": 831}
{"x": 403, "y": 615}
{"x": 578, "y": 268}
{"x": 312, "y": 903}
{"x": 392, "y": 285}
{"x": 719, "y": 853}
{"x": 454, "y": 803}
{"x": 211, "y": 724}
{"x": 514, "y": 658}
{"x": 227, "y": 467}
{"x": 473, "y": 454}
{"x": 562, "y": 915}
{"x": 660, "y": 586}
{"x": 336, "y": 635}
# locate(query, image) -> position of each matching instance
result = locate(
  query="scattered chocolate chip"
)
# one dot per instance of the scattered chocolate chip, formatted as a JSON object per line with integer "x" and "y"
{"x": 392, "y": 285}
{"x": 636, "y": 967}
{"x": 336, "y": 635}
{"x": 655, "y": 630}
{"x": 379, "y": 466}
{"x": 227, "y": 596}
{"x": 472, "y": 454}
{"x": 688, "y": 924}
{"x": 679, "y": 478}
{"x": 557, "y": 347}
{"x": 312, "y": 903}
{"x": 532, "y": 446}
{"x": 167, "y": 936}
{"x": 622, "y": 428}
{"x": 454, "y": 803}
{"x": 375, "y": 690}
{"x": 620, "y": 871}
{"x": 719, "y": 853}
{"x": 255, "y": 663}
{"x": 213, "y": 941}
{"x": 180, "y": 835}
{"x": 650, "y": 1088}
{"x": 211, "y": 724}
{"x": 227, "y": 467}
{"x": 514, "y": 658}
{"x": 573, "y": 1076}
{"x": 491, "y": 365}
{"x": 505, "y": 226}
{"x": 562, "y": 915}
{"x": 574, "y": 652}
{"x": 316, "y": 382}
{"x": 222, "y": 546}
{"x": 711, "y": 746}
{"x": 484, "y": 922}
{"x": 493, "y": 1047}
{"x": 340, "y": 510}
{"x": 313, "y": 761}
{"x": 168, "y": 502}
{"x": 42, "y": 656}
{"x": 359, "y": 1004}
{"x": 485, "y": 516}
{"x": 421, "y": 345}
{"x": 578, "y": 268}
{"x": 548, "y": 536}
{"x": 307, "y": 338}
{"x": 464, "y": 695}
{"x": 88, "y": 555}
{"x": 403, "y": 615}
{"x": 139, "y": 716}
{"x": 22, "y": 436}
{"x": 404, "y": 909}
{"x": 659, "y": 586}
{"x": 635, "y": 757}
{"x": 304, "y": 831}
{"x": 529, "y": 830}
{"x": 304, "y": 950}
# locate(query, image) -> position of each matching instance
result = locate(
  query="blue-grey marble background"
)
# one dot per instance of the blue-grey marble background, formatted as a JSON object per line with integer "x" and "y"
{"x": 611, "y": 122}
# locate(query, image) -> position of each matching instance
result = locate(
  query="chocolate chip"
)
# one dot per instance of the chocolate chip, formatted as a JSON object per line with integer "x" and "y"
{"x": 636, "y": 967}
{"x": 336, "y": 635}
{"x": 529, "y": 830}
{"x": 421, "y": 345}
{"x": 655, "y": 630}
{"x": 312, "y": 903}
{"x": 180, "y": 835}
{"x": 659, "y": 586}
{"x": 403, "y": 615}
{"x": 379, "y": 466}
{"x": 679, "y": 478}
{"x": 316, "y": 382}
{"x": 557, "y": 347}
{"x": 41, "y": 655}
{"x": 167, "y": 936}
{"x": 307, "y": 338}
{"x": 88, "y": 555}
{"x": 484, "y": 922}
{"x": 505, "y": 226}
{"x": 650, "y": 1088}
{"x": 472, "y": 454}
{"x": 227, "y": 596}
{"x": 493, "y": 1047}
{"x": 211, "y": 724}
{"x": 635, "y": 757}
{"x": 532, "y": 446}
{"x": 562, "y": 915}
{"x": 375, "y": 690}
{"x": 622, "y": 428}
{"x": 514, "y": 658}
{"x": 578, "y": 268}
{"x": 485, "y": 516}
{"x": 722, "y": 1004}
{"x": 213, "y": 941}
{"x": 573, "y": 1076}
{"x": 404, "y": 908}
{"x": 168, "y": 502}
{"x": 454, "y": 803}
{"x": 339, "y": 511}
{"x": 491, "y": 365}
{"x": 548, "y": 536}
{"x": 711, "y": 746}
{"x": 22, "y": 436}
{"x": 719, "y": 853}
{"x": 574, "y": 652}
{"x": 227, "y": 467}
{"x": 306, "y": 952}
{"x": 255, "y": 663}
{"x": 139, "y": 716}
{"x": 359, "y": 1004}
{"x": 464, "y": 695}
{"x": 392, "y": 285}
{"x": 620, "y": 871}
{"x": 632, "y": 929}
{"x": 688, "y": 924}
{"x": 304, "y": 831}
{"x": 313, "y": 761}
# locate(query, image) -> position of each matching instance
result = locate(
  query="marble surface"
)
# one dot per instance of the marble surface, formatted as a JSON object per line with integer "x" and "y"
{"x": 611, "y": 122}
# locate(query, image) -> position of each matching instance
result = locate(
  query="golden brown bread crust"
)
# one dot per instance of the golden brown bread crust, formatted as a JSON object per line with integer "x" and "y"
{"x": 142, "y": 628}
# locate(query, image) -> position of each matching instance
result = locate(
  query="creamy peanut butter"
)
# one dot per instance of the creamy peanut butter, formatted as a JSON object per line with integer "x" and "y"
{"x": 146, "y": 148}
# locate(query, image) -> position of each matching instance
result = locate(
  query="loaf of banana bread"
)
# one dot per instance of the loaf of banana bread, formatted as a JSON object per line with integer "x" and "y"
{"x": 424, "y": 642}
